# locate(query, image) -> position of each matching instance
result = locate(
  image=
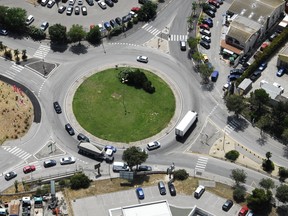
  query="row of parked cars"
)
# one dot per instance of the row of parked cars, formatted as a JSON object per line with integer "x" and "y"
{"x": 161, "y": 187}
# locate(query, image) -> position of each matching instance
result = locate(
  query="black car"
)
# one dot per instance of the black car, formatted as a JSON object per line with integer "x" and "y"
{"x": 109, "y": 3}
{"x": 90, "y": 2}
{"x": 10, "y": 175}
{"x": 77, "y": 10}
{"x": 82, "y": 137}
{"x": 118, "y": 20}
{"x": 57, "y": 107}
{"x": 236, "y": 71}
{"x": 210, "y": 13}
{"x": 144, "y": 168}
{"x": 162, "y": 188}
{"x": 69, "y": 129}
{"x": 205, "y": 44}
{"x": 113, "y": 23}
{"x": 212, "y": 8}
{"x": 49, "y": 163}
{"x": 126, "y": 18}
{"x": 233, "y": 77}
{"x": 255, "y": 76}
{"x": 227, "y": 205}
{"x": 172, "y": 189}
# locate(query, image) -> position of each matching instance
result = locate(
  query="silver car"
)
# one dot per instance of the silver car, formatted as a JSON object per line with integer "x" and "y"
{"x": 143, "y": 59}
{"x": 67, "y": 160}
{"x": 153, "y": 145}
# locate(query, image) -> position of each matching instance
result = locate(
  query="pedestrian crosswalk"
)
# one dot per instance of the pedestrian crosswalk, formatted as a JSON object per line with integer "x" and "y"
{"x": 17, "y": 152}
{"x": 231, "y": 126}
{"x": 174, "y": 37}
{"x": 13, "y": 70}
{"x": 201, "y": 164}
{"x": 151, "y": 29}
{"x": 42, "y": 51}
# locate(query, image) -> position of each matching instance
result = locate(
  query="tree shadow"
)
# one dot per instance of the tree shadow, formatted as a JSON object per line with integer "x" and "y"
{"x": 78, "y": 49}
{"x": 237, "y": 122}
{"x": 59, "y": 47}
{"x": 285, "y": 151}
{"x": 282, "y": 210}
{"x": 207, "y": 86}
{"x": 262, "y": 140}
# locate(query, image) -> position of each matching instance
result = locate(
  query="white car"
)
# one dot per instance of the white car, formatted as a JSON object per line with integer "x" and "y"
{"x": 143, "y": 59}
{"x": 80, "y": 2}
{"x": 102, "y": 5}
{"x": 50, "y": 4}
{"x": 67, "y": 160}
{"x": 153, "y": 145}
{"x": 69, "y": 10}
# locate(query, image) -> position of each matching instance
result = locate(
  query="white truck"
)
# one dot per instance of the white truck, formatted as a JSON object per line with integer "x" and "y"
{"x": 186, "y": 123}
{"x": 94, "y": 151}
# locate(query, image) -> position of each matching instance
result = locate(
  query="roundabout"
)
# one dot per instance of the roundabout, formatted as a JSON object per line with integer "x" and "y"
{"x": 115, "y": 111}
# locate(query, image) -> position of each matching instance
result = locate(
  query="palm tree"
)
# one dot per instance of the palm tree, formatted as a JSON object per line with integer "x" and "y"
{"x": 268, "y": 155}
{"x": 1, "y": 46}
{"x": 24, "y": 56}
{"x": 194, "y": 7}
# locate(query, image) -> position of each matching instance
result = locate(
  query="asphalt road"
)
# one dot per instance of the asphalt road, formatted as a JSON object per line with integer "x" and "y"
{"x": 76, "y": 62}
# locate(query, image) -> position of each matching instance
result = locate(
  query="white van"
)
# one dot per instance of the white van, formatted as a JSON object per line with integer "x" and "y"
{"x": 120, "y": 166}
{"x": 29, "y": 20}
{"x": 199, "y": 191}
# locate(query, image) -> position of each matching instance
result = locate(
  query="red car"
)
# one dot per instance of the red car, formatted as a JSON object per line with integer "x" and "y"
{"x": 204, "y": 26}
{"x": 135, "y": 9}
{"x": 215, "y": 3}
{"x": 29, "y": 168}
{"x": 243, "y": 211}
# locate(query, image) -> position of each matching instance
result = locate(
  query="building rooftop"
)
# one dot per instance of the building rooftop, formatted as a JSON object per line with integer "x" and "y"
{"x": 272, "y": 90}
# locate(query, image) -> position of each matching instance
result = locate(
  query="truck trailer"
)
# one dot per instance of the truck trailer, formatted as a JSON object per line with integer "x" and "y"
{"x": 186, "y": 123}
{"x": 93, "y": 151}
{"x": 14, "y": 208}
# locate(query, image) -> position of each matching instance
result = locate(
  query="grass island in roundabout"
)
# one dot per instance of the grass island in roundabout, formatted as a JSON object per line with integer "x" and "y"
{"x": 116, "y": 111}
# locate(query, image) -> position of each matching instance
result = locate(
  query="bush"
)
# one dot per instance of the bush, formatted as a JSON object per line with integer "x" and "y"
{"x": 239, "y": 194}
{"x": 8, "y": 54}
{"x": 232, "y": 155}
{"x": 36, "y": 33}
{"x": 79, "y": 180}
{"x": 268, "y": 165}
{"x": 116, "y": 31}
{"x": 180, "y": 174}
{"x": 283, "y": 173}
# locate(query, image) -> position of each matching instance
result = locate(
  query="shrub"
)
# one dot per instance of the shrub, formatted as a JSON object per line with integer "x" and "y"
{"x": 268, "y": 165}
{"x": 232, "y": 155}
{"x": 79, "y": 180}
{"x": 180, "y": 174}
{"x": 283, "y": 173}
{"x": 239, "y": 194}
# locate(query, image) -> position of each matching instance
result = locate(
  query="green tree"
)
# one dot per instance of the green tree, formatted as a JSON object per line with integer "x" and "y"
{"x": 235, "y": 103}
{"x": 258, "y": 99}
{"x": 192, "y": 43}
{"x": 259, "y": 199}
{"x": 205, "y": 72}
{"x": 268, "y": 155}
{"x": 94, "y": 35}
{"x": 133, "y": 157}
{"x": 79, "y": 180}
{"x": 16, "y": 186}
{"x": 180, "y": 174}
{"x": 194, "y": 7}
{"x": 232, "y": 155}
{"x": 57, "y": 33}
{"x": 239, "y": 193}
{"x": 76, "y": 33}
{"x": 15, "y": 19}
{"x": 263, "y": 122}
{"x": 3, "y": 12}
{"x": 148, "y": 11}
{"x": 36, "y": 33}
{"x": 268, "y": 165}
{"x": 285, "y": 135}
{"x": 267, "y": 183}
{"x": 190, "y": 21}
{"x": 282, "y": 193}
{"x": 239, "y": 176}
{"x": 197, "y": 56}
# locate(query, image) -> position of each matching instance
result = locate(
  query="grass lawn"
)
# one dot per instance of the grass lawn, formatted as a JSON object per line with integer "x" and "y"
{"x": 114, "y": 111}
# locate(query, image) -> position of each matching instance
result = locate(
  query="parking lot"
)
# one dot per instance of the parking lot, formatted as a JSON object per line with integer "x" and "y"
{"x": 102, "y": 203}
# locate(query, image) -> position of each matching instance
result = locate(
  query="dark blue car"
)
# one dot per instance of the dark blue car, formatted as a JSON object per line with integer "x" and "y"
{"x": 140, "y": 193}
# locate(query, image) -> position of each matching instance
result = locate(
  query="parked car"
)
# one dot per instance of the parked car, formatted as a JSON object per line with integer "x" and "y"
{"x": 255, "y": 76}
{"x": 80, "y": 2}
{"x": 162, "y": 188}
{"x": 69, "y": 10}
{"x": 204, "y": 26}
{"x": 153, "y": 145}
{"x": 199, "y": 191}
{"x": 10, "y": 175}
{"x": 280, "y": 72}
{"x": 143, "y": 59}
{"x": 135, "y": 9}
{"x": 119, "y": 166}
{"x": 206, "y": 38}
{"x": 57, "y": 107}
{"x": 214, "y": 3}
{"x": 44, "y": 2}
{"x": 50, "y": 3}
{"x": 83, "y": 138}
{"x": 115, "y": 1}
{"x": 172, "y": 189}
{"x": 205, "y": 32}
{"x": 113, "y": 23}
{"x": 118, "y": 20}
{"x": 264, "y": 46}
{"x": 3, "y": 32}
{"x": 205, "y": 44}
{"x": 126, "y": 18}
{"x": 61, "y": 9}
{"x": 67, "y": 160}
{"x": 183, "y": 45}
{"x": 109, "y": 3}
{"x": 233, "y": 77}
{"x": 140, "y": 193}
{"x": 84, "y": 10}
{"x": 69, "y": 129}
{"x": 90, "y": 2}
{"x": 210, "y": 13}
{"x": 72, "y": 2}
{"x": 262, "y": 66}
{"x": 102, "y": 5}
{"x": 77, "y": 10}
{"x": 49, "y": 163}
{"x": 44, "y": 26}
{"x": 212, "y": 7}
{"x": 227, "y": 205}
{"x": 273, "y": 36}
{"x": 29, "y": 20}
{"x": 107, "y": 26}
{"x": 208, "y": 21}
{"x": 243, "y": 211}
{"x": 29, "y": 168}
{"x": 144, "y": 168}
{"x": 114, "y": 149}
{"x": 236, "y": 71}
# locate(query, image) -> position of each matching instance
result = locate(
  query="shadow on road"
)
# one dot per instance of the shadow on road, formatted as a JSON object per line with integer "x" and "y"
{"x": 78, "y": 49}
{"x": 239, "y": 124}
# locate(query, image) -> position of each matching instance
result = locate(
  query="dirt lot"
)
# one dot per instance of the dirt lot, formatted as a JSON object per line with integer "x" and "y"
{"x": 16, "y": 112}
